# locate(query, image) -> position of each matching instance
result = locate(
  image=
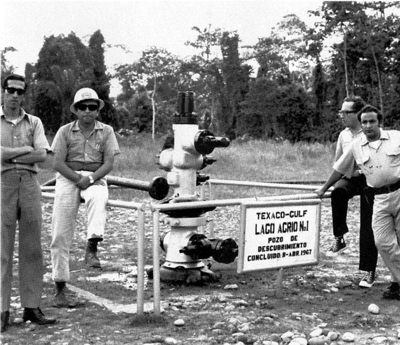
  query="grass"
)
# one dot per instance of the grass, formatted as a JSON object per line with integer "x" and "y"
{"x": 256, "y": 160}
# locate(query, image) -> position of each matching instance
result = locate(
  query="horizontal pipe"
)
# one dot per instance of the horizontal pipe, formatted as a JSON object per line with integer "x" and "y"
{"x": 230, "y": 202}
{"x": 158, "y": 188}
{"x": 115, "y": 203}
{"x": 316, "y": 182}
{"x": 265, "y": 184}
{"x": 127, "y": 182}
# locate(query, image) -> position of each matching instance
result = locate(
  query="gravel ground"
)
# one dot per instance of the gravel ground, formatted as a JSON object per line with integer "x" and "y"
{"x": 320, "y": 304}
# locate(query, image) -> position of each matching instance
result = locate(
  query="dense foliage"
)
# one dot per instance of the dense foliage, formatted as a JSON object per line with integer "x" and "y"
{"x": 300, "y": 82}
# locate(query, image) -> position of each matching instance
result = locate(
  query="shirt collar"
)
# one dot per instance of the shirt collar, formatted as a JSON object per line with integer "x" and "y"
{"x": 384, "y": 136}
{"x": 97, "y": 125}
{"x": 23, "y": 113}
{"x": 348, "y": 129}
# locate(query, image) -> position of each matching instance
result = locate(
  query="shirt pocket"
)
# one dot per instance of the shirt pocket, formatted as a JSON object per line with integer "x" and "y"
{"x": 394, "y": 156}
{"x": 24, "y": 137}
{"x": 99, "y": 145}
{"x": 363, "y": 164}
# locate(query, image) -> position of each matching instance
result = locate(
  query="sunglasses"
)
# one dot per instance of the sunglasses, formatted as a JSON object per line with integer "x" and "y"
{"x": 12, "y": 90}
{"x": 91, "y": 107}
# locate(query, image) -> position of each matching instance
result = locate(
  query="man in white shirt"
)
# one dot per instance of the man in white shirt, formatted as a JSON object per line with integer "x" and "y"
{"x": 377, "y": 155}
{"x": 345, "y": 189}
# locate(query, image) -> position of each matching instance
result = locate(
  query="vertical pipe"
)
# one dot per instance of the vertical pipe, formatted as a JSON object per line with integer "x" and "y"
{"x": 240, "y": 261}
{"x": 201, "y": 228}
{"x": 156, "y": 262}
{"x": 140, "y": 262}
{"x": 279, "y": 280}
{"x": 211, "y": 213}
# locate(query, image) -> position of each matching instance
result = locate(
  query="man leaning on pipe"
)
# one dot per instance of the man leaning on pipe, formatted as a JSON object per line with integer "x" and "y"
{"x": 84, "y": 152}
{"x": 377, "y": 155}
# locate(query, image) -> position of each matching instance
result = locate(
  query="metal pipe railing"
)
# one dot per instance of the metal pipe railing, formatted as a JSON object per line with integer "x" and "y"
{"x": 140, "y": 252}
{"x": 157, "y": 208}
{"x": 273, "y": 184}
{"x": 280, "y": 185}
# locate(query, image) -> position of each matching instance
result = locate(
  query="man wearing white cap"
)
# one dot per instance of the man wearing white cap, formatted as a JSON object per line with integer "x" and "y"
{"x": 84, "y": 152}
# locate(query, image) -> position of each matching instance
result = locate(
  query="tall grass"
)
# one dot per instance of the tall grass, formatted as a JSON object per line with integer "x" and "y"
{"x": 255, "y": 160}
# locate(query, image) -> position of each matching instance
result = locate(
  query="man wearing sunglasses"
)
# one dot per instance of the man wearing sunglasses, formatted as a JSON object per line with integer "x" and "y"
{"x": 345, "y": 189}
{"x": 84, "y": 152}
{"x": 23, "y": 144}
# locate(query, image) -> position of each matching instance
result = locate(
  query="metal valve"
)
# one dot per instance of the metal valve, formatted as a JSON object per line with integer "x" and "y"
{"x": 200, "y": 247}
{"x": 205, "y": 142}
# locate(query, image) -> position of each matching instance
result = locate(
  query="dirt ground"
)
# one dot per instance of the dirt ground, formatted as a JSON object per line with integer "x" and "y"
{"x": 239, "y": 308}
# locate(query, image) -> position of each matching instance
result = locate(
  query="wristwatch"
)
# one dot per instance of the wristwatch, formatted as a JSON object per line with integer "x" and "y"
{"x": 91, "y": 179}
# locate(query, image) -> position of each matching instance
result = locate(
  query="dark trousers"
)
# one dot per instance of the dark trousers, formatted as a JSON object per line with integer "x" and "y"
{"x": 21, "y": 203}
{"x": 344, "y": 190}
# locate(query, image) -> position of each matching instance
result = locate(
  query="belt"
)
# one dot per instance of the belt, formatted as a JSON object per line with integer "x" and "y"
{"x": 386, "y": 189}
{"x": 18, "y": 171}
{"x": 78, "y": 166}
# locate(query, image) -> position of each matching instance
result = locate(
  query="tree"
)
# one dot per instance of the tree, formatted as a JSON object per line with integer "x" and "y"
{"x": 367, "y": 36}
{"x": 64, "y": 64}
{"x": 155, "y": 72}
{"x": 5, "y": 67}
{"x": 101, "y": 81}
{"x": 236, "y": 78}
{"x": 207, "y": 65}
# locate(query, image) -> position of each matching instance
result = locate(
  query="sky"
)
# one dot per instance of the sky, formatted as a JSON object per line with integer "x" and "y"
{"x": 137, "y": 24}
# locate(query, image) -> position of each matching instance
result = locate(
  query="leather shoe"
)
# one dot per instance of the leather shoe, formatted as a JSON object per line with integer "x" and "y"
{"x": 5, "y": 320}
{"x": 392, "y": 292}
{"x": 35, "y": 315}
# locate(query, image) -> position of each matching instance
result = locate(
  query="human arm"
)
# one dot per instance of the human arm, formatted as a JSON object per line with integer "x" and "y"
{"x": 103, "y": 170}
{"x": 23, "y": 155}
{"x": 333, "y": 178}
{"x": 339, "y": 150}
{"x": 61, "y": 166}
{"x": 111, "y": 149}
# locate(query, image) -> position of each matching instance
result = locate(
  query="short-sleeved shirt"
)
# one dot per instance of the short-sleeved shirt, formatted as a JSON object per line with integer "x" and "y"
{"x": 28, "y": 131}
{"x": 70, "y": 143}
{"x": 345, "y": 139}
{"x": 381, "y": 166}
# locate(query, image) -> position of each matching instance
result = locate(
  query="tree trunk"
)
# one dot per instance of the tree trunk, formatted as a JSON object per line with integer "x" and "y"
{"x": 379, "y": 79}
{"x": 345, "y": 64}
{"x": 153, "y": 104}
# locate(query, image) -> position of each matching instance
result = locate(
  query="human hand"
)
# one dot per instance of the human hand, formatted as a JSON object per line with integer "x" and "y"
{"x": 27, "y": 149}
{"x": 83, "y": 182}
{"x": 320, "y": 192}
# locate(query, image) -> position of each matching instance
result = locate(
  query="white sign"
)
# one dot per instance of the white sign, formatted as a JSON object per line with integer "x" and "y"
{"x": 279, "y": 234}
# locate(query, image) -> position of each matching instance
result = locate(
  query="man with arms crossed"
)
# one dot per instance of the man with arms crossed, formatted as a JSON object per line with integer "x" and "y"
{"x": 377, "y": 155}
{"x": 23, "y": 144}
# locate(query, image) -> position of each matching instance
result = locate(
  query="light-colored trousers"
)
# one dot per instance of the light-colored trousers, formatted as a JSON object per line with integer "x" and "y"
{"x": 65, "y": 210}
{"x": 386, "y": 227}
{"x": 21, "y": 202}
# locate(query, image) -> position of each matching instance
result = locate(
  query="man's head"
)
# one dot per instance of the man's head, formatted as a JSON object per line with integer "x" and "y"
{"x": 13, "y": 87}
{"x": 86, "y": 96}
{"x": 348, "y": 113}
{"x": 370, "y": 119}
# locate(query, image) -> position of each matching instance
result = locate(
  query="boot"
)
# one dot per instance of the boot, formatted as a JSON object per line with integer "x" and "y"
{"x": 61, "y": 300}
{"x": 5, "y": 320}
{"x": 91, "y": 251}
